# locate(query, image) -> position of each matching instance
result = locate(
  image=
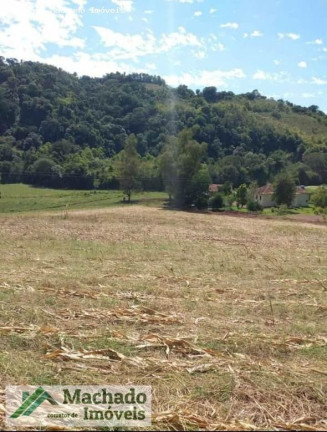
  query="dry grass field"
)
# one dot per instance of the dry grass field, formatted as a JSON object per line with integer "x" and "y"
{"x": 224, "y": 317}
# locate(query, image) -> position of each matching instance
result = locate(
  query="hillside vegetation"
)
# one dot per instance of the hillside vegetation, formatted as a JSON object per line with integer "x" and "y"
{"x": 57, "y": 129}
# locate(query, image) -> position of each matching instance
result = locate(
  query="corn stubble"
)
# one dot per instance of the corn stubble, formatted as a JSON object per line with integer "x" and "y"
{"x": 225, "y": 318}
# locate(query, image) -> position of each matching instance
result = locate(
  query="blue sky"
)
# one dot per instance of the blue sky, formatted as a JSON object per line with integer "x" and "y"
{"x": 276, "y": 46}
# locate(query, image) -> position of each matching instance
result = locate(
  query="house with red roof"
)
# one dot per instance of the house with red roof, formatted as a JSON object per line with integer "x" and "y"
{"x": 264, "y": 196}
{"x": 214, "y": 188}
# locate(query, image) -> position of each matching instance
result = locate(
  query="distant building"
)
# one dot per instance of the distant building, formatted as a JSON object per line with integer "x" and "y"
{"x": 214, "y": 188}
{"x": 264, "y": 196}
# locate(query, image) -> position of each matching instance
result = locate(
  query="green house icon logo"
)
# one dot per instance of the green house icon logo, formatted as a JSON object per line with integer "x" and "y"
{"x": 31, "y": 401}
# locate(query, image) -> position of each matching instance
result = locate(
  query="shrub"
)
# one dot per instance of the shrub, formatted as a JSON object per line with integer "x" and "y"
{"x": 319, "y": 198}
{"x": 282, "y": 209}
{"x": 229, "y": 201}
{"x": 321, "y": 211}
{"x": 201, "y": 202}
{"x": 217, "y": 202}
{"x": 241, "y": 195}
{"x": 253, "y": 206}
{"x": 276, "y": 115}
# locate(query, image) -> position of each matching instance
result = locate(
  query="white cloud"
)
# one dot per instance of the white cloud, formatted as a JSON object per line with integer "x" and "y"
{"x": 211, "y": 43}
{"x": 125, "y": 6}
{"x": 308, "y": 95}
{"x": 231, "y": 25}
{"x": 178, "y": 39}
{"x": 27, "y": 27}
{"x": 318, "y": 81}
{"x": 148, "y": 11}
{"x": 197, "y": 13}
{"x": 268, "y": 76}
{"x": 80, "y": 3}
{"x": 316, "y": 42}
{"x": 95, "y": 65}
{"x": 132, "y": 46}
{"x": 256, "y": 33}
{"x": 292, "y": 36}
{"x": 205, "y": 78}
{"x": 325, "y": 49}
{"x": 144, "y": 19}
{"x": 86, "y": 64}
{"x": 261, "y": 75}
{"x": 199, "y": 54}
{"x": 318, "y": 58}
{"x": 212, "y": 10}
{"x": 127, "y": 46}
{"x": 218, "y": 47}
{"x": 302, "y": 64}
{"x": 277, "y": 62}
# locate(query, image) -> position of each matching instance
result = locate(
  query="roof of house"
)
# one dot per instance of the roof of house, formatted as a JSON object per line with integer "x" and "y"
{"x": 268, "y": 189}
{"x": 265, "y": 190}
{"x": 214, "y": 187}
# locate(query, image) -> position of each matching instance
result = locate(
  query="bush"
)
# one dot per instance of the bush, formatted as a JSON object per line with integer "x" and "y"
{"x": 282, "y": 209}
{"x": 253, "y": 206}
{"x": 321, "y": 211}
{"x": 229, "y": 201}
{"x": 201, "y": 202}
{"x": 217, "y": 202}
{"x": 319, "y": 198}
{"x": 277, "y": 115}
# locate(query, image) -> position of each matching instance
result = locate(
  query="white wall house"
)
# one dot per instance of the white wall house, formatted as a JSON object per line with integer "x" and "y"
{"x": 264, "y": 196}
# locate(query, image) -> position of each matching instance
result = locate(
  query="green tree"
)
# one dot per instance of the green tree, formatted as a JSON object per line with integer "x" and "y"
{"x": 217, "y": 202}
{"x": 180, "y": 163}
{"x": 226, "y": 188}
{"x": 129, "y": 167}
{"x": 318, "y": 163}
{"x": 210, "y": 94}
{"x": 284, "y": 189}
{"x": 241, "y": 195}
{"x": 199, "y": 186}
{"x": 45, "y": 172}
{"x": 319, "y": 198}
{"x": 168, "y": 166}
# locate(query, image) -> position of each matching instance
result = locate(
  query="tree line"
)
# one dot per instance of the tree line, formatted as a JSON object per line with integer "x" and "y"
{"x": 61, "y": 130}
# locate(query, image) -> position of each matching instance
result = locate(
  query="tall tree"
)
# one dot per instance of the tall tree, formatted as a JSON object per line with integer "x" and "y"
{"x": 241, "y": 195}
{"x": 129, "y": 167}
{"x": 198, "y": 191}
{"x": 284, "y": 189}
{"x": 180, "y": 162}
{"x": 168, "y": 166}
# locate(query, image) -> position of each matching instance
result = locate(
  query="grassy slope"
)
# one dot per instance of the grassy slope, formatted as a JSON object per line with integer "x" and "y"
{"x": 308, "y": 127}
{"x": 22, "y": 198}
{"x": 253, "y": 291}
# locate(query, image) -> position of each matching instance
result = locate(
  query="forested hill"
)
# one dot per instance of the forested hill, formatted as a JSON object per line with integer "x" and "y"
{"x": 56, "y": 125}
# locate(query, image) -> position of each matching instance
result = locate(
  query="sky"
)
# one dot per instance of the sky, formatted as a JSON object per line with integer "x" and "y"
{"x": 276, "y": 46}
